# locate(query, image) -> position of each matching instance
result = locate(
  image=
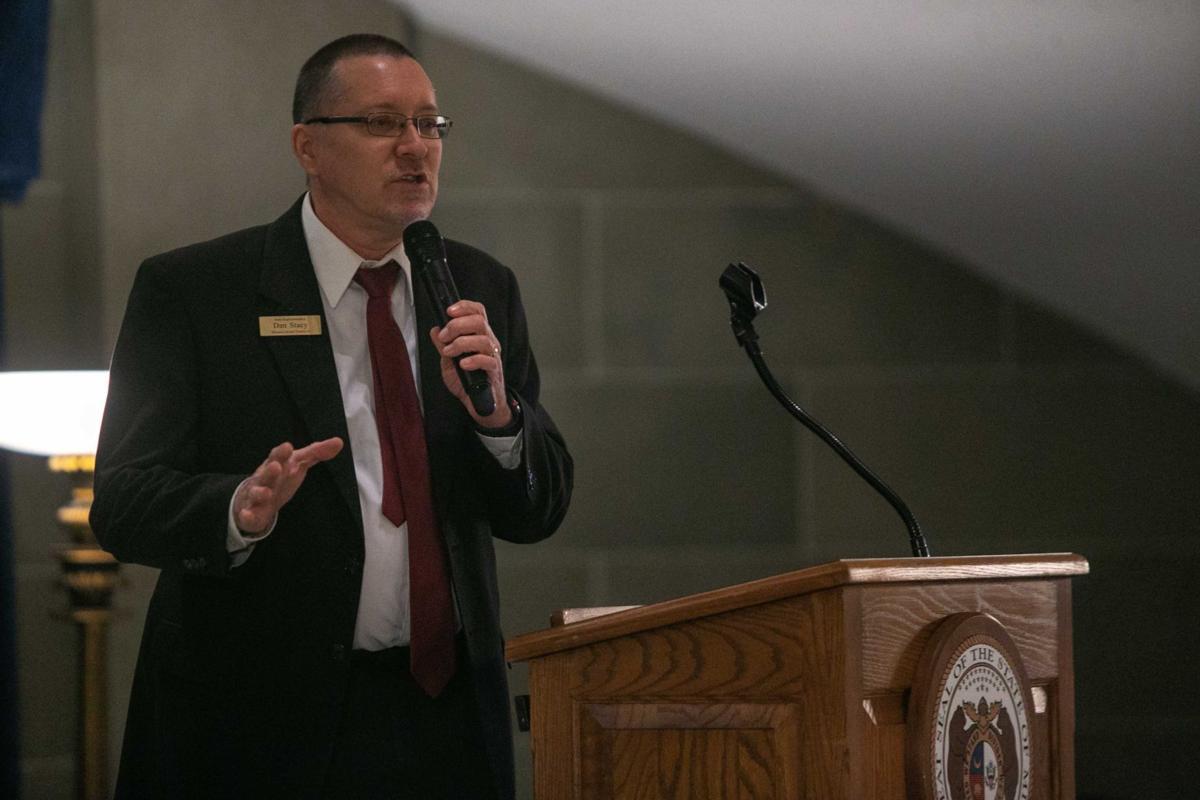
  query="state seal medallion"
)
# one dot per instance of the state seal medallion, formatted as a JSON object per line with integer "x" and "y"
{"x": 968, "y": 715}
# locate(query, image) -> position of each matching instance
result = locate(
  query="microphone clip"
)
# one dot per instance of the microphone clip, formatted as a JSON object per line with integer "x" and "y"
{"x": 746, "y": 296}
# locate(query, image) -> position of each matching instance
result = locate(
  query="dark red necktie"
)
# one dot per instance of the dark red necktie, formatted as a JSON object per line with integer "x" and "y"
{"x": 407, "y": 495}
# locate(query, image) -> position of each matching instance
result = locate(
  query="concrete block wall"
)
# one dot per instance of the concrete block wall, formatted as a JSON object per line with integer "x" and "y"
{"x": 1006, "y": 428}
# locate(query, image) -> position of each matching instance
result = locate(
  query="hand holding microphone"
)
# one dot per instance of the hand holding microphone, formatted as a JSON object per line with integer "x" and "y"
{"x": 471, "y": 366}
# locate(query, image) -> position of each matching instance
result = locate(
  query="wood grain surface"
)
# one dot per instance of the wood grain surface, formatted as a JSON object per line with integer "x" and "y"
{"x": 898, "y": 620}
{"x": 792, "y": 687}
{"x": 688, "y": 750}
{"x": 825, "y": 576}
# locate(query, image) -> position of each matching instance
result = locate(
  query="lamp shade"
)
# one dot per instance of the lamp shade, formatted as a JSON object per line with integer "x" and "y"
{"x": 52, "y": 413}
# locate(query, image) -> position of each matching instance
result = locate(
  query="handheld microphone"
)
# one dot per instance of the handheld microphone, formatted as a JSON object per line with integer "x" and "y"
{"x": 427, "y": 253}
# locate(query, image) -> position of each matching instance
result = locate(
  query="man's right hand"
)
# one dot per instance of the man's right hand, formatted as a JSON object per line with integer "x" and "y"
{"x": 275, "y": 482}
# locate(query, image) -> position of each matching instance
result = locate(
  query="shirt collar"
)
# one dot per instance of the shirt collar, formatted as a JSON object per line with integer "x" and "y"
{"x": 335, "y": 262}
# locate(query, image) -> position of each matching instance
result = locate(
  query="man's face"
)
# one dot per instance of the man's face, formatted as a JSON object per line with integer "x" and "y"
{"x": 368, "y": 188}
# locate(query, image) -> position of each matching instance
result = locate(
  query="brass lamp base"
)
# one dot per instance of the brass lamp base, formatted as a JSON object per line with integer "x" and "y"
{"x": 90, "y": 576}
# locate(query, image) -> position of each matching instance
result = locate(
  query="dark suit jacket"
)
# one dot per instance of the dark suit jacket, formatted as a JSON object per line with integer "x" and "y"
{"x": 241, "y": 673}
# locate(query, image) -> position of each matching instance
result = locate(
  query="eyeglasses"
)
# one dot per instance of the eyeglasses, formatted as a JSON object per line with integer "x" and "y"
{"x": 387, "y": 123}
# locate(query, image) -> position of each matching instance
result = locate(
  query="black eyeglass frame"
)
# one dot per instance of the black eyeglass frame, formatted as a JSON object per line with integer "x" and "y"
{"x": 442, "y": 130}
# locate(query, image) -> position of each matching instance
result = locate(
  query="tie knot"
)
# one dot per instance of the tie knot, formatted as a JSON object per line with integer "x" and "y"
{"x": 378, "y": 281}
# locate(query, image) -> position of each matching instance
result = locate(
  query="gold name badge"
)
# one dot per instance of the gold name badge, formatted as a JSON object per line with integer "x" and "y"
{"x": 306, "y": 325}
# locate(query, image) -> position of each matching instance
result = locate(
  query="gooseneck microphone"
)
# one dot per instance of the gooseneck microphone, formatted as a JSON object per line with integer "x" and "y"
{"x": 746, "y": 296}
{"x": 427, "y": 253}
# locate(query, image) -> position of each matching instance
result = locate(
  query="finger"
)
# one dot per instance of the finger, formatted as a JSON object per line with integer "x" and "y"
{"x": 258, "y": 497}
{"x": 469, "y": 345}
{"x": 318, "y": 451}
{"x": 484, "y": 361}
{"x": 249, "y": 521}
{"x": 255, "y": 509}
{"x": 280, "y": 452}
{"x": 474, "y": 324}
{"x": 267, "y": 474}
{"x": 465, "y": 308}
{"x": 270, "y": 470}
{"x": 255, "y": 520}
{"x": 298, "y": 465}
{"x": 479, "y": 344}
{"x": 435, "y": 336}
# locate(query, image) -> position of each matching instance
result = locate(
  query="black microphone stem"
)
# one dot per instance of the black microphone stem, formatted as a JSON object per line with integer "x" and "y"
{"x": 915, "y": 538}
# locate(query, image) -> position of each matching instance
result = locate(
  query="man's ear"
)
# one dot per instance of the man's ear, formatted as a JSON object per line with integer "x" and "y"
{"x": 303, "y": 146}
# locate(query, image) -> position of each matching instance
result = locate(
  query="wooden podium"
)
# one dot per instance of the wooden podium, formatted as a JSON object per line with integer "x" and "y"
{"x": 795, "y": 686}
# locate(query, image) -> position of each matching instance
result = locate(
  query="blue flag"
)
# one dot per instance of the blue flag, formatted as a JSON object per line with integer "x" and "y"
{"x": 23, "y": 35}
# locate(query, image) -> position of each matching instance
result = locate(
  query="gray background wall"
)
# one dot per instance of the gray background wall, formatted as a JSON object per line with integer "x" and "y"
{"x": 1006, "y": 429}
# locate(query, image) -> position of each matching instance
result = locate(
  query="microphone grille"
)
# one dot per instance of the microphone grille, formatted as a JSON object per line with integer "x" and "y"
{"x": 421, "y": 238}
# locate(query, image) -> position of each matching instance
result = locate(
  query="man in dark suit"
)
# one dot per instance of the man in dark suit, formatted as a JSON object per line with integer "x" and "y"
{"x": 326, "y": 619}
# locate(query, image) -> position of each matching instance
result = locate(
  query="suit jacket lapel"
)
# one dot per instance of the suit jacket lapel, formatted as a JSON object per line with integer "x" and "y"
{"x": 441, "y": 408}
{"x": 288, "y": 286}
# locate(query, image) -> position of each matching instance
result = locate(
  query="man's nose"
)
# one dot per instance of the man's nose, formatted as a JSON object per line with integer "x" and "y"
{"x": 409, "y": 142}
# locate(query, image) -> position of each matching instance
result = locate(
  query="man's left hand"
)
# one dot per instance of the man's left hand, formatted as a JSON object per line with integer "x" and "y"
{"x": 468, "y": 334}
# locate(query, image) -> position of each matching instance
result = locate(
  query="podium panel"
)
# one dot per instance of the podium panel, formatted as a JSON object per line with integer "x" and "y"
{"x": 795, "y": 686}
{"x": 687, "y": 750}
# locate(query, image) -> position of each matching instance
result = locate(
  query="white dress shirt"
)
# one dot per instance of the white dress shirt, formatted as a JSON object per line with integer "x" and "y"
{"x": 383, "y": 619}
